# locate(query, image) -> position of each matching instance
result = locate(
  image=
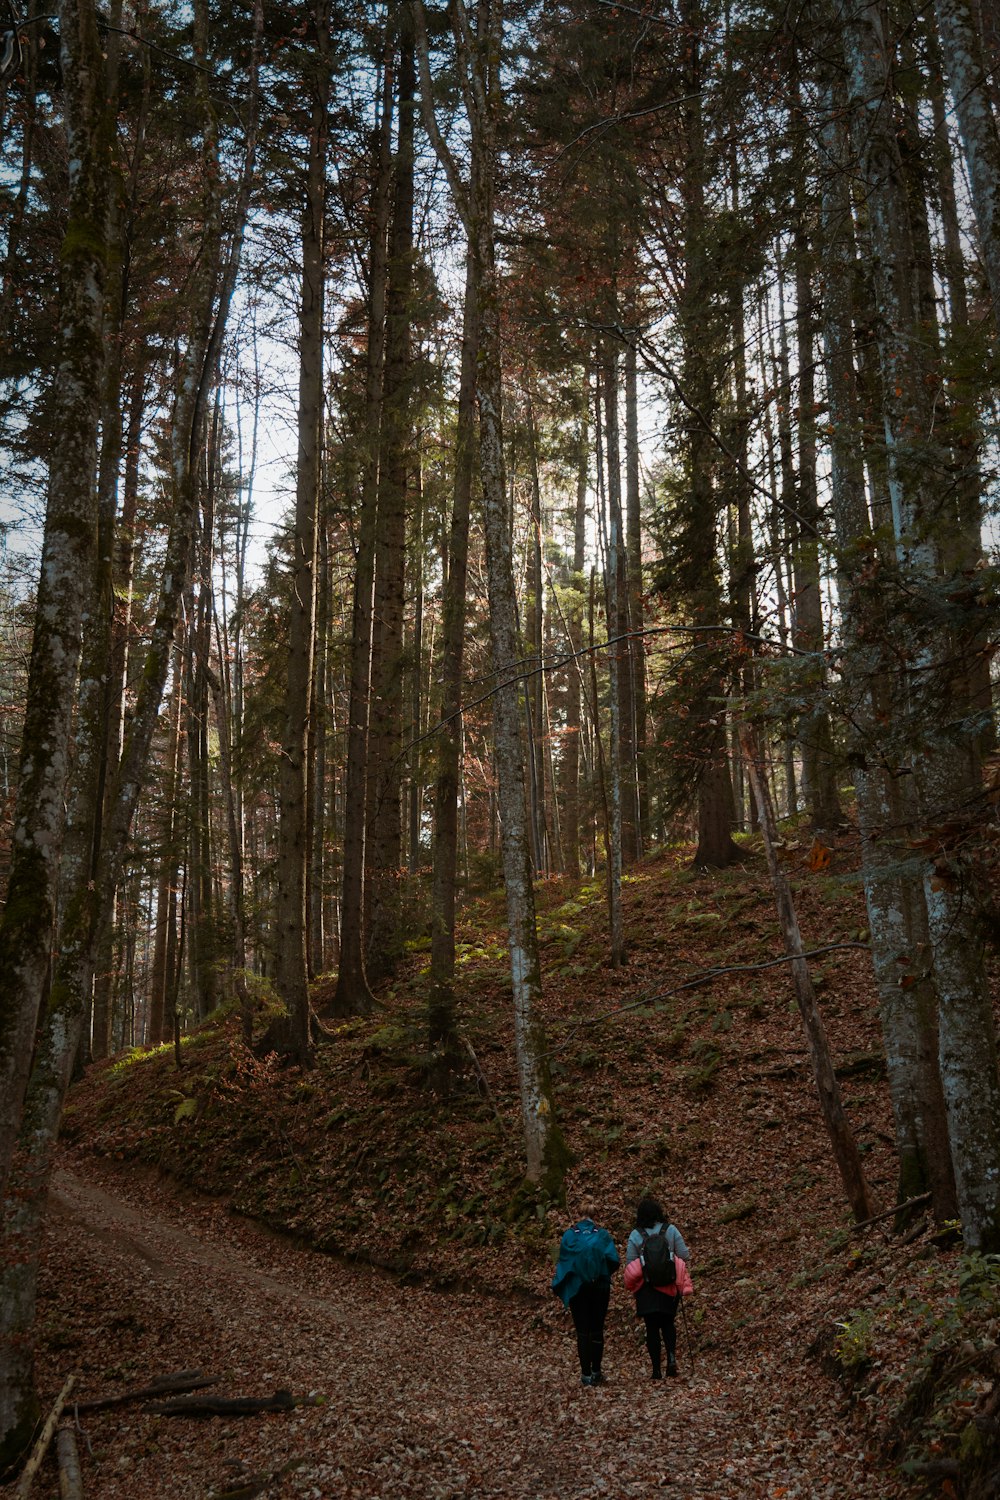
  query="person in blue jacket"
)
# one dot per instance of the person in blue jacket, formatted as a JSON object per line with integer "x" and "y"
{"x": 587, "y": 1258}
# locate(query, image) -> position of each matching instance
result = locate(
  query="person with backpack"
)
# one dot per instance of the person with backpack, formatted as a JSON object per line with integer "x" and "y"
{"x": 656, "y": 1271}
{"x": 587, "y": 1257}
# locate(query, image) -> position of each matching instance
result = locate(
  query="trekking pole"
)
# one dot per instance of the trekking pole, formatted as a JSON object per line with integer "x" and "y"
{"x": 687, "y": 1334}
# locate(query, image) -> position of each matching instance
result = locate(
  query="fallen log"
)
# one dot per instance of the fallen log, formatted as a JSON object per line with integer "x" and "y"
{"x": 184, "y": 1380}
{"x": 70, "y": 1478}
{"x": 44, "y": 1439}
{"x": 236, "y": 1406}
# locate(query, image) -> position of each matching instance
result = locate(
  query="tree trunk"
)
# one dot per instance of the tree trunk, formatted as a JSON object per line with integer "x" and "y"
{"x": 619, "y": 622}
{"x": 385, "y": 729}
{"x": 819, "y": 767}
{"x": 478, "y": 55}
{"x": 965, "y": 391}
{"x": 160, "y": 1027}
{"x": 64, "y": 599}
{"x": 441, "y": 1005}
{"x": 318, "y": 759}
{"x": 968, "y": 81}
{"x": 353, "y": 995}
{"x": 88, "y": 907}
{"x": 202, "y": 933}
{"x": 897, "y": 918}
{"x": 637, "y": 642}
{"x": 416, "y": 682}
{"x": 612, "y": 581}
{"x": 943, "y": 759}
{"x": 535, "y": 693}
{"x": 574, "y": 632}
{"x": 293, "y": 842}
{"x": 715, "y": 847}
{"x": 834, "y": 1117}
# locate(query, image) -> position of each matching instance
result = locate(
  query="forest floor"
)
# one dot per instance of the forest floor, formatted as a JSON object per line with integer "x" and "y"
{"x": 425, "y": 1393}
{"x": 347, "y": 1232}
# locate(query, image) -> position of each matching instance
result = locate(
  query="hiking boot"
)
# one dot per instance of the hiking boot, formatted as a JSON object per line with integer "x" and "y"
{"x": 657, "y": 1374}
{"x": 587, "y": 1380}
{"x": 597, "y": 1378}
{"x": 671, "y": 1365}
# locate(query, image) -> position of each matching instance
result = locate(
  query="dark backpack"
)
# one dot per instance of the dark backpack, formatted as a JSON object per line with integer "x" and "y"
{"x": 658, "y": 1265}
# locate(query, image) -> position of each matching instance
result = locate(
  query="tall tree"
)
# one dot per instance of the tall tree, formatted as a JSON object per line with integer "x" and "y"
{"x": 353, "y": 995}
{"x": 441, "y": 1007}
{"x": 969, "y": 83}
{"x": 293, "y": 845}
{"x": 65, "y": 598}
{"x": 65, "y": 601}
{"x": 478, "y": 47}
{"x": 396, "y": 465}
{"x": 897, "y": 917}
{"x": 943, "y": 755}
{"x": 88, "y": 905}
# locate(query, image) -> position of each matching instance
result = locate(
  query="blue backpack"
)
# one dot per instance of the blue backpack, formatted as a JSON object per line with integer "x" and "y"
{"x": 589, "y": 1258}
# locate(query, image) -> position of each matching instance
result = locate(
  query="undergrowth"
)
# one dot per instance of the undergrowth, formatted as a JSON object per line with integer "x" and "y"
{"x": 920, "y": 1358}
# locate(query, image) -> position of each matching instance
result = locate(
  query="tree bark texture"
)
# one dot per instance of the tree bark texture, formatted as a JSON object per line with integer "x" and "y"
{"x": 943, "y": 756}
{"x": 65, "y": 598}
{"x": 897, "y": 918}
{"x": 88, "y": 905}
{"x": 968, "y": 81}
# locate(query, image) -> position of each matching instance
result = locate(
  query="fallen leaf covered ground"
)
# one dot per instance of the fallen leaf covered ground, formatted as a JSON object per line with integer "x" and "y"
{"x": 425, "y": 1393}
{"x": 408, "y": 1283}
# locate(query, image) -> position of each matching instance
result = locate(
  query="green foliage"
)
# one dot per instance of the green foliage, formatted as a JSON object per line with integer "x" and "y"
{"x": 854, "y": 1341}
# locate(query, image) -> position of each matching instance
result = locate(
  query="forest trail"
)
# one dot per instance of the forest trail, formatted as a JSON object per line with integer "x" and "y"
{"x": 426, "y": 1394}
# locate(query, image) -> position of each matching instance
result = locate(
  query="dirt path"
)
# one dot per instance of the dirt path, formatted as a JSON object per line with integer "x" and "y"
{"x": 425, "y": 1395}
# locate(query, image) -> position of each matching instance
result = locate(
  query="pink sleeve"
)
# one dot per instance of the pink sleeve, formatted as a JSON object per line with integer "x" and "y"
{"x": 684, "y": 1283}
{"x": 633, "y": 1275}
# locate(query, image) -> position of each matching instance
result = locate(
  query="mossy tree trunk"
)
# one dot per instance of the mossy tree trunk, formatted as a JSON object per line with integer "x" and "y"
{"x": 65, "y": 589}
{"x": 64, "y": 605}
{"x": 88, "y": 905}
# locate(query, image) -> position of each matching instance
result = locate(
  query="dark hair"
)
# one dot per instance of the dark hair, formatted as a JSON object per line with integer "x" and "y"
{"x": 649, "y": 1213}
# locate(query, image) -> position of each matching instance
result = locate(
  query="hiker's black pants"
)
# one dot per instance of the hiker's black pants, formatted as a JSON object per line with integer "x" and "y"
{"x": 590, "y": 1308}
{"x": 662, "y": 1324}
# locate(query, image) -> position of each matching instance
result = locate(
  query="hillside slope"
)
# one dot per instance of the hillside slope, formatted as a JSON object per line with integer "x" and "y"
{"x": 703, "y": 1096}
